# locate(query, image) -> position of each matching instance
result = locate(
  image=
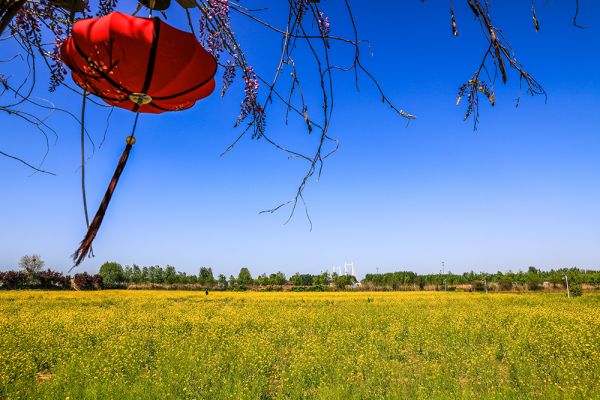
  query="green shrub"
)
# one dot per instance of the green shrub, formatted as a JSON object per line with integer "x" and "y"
{"x": 576, "y": 290}
{"x": 534, "y": 282}
{"x": 505, "y": 284}
{"x": 112, "y": 274}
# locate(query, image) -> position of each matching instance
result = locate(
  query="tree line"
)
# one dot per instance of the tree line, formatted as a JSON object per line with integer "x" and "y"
{"x": 532, "y": 279}
{"x": 115, "y": 275}
{"x": 31, "y": 275}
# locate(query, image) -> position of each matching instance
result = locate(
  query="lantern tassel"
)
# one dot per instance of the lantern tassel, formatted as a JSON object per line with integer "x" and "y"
{"x": 86, "y": 243}
{"x": 83, "y": 194}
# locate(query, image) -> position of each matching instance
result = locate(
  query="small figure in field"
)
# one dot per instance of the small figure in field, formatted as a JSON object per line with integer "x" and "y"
{"x": 206, "y": 292}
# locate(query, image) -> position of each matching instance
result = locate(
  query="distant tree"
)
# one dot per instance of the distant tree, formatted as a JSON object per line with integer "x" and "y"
{"x": 533, "y": 278}
{"x": 181, "y": 277}
{"x": 112, "y": 273}
{"x": 263, "y": 280}
{"x": 206, "y": 276}
{"x": 533, "y": 270}
{"x": 31, "y": 264}
{"x": 343, "y": 281}
{"x": 244, "y": 277}
{"x": 555, "y": 277}
{"x": 296, "y": 279}
{"x": 301, "y": 279}
{"x": 334, "y": 277}
{"x": 222, "y": 279}
{"x": 136, "y": 274}
{"x": 576, "y": 290}
{"x": 505, "y": 283}
{"x": 156, "y": 274}
{"x": 170, "y": 275}
{"x": 277, "y": 278}
{"x": 232, "y": 281}
{"x": 477, "y": 286}
{"x": 534, "y": 281}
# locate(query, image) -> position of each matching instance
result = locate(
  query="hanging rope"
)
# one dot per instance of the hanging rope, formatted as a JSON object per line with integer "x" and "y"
{"x": 86, "y": 243}
{"x": 83, "y": 193}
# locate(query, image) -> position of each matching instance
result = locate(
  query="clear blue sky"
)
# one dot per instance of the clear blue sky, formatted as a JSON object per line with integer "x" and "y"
{"x": 522, "y": 190}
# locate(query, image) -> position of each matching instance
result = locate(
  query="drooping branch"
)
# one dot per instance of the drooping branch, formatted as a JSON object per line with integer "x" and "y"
{"x": 499, "y": 56}
{"x": 36, "y": 169}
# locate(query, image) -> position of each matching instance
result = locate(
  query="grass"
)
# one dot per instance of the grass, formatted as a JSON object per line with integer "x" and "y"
{"x": 185, "y": 345}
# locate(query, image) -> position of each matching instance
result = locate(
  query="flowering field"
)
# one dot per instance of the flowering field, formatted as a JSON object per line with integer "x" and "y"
{"x": 185, "y": 345}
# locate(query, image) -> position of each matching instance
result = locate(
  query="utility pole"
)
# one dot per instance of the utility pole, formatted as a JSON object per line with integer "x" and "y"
{"x": 567, "y": 282}
{"x": 485, "y": 284}
{"x": 444, "y": 274}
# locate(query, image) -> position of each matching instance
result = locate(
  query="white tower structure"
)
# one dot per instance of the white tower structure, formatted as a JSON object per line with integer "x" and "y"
{"x": 349, "y": 268}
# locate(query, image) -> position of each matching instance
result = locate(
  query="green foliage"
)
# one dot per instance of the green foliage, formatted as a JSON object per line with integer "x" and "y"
{"x": 392, "y": 279}
{"x": 112, "y": 274}
{"x": 232, "y": 281}
{"x": 206, "y": 276}
{"x": 262, "y": 280}
{"x": 301, "y": 279}
{"x": 277, "y": 279}
{"x": 534, "y": 282}
{"x": 133, "y": 274}
{"x": 533, "y": 271}
{"x": 576, "y": 290}
{"x": 322, "y": 279}
{"x": 244, "y": 277}
{"x": 344, "y": 281}
{"x": 115, "y": 276}
{"x": 478, "y": 286}
{"x": 532, "y": 278}
{"x": 222, "y": 281}
{"x": 505, "y": 284}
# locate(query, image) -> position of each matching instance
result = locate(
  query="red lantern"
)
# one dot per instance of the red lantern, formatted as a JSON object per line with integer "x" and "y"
{"x": 140, "y": 64}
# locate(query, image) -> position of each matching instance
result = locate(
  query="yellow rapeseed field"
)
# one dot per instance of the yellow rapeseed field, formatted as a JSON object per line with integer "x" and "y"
{"x": 185, "y": 345}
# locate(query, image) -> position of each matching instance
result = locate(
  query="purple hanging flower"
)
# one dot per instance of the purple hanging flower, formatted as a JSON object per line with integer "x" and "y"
{"x": 323, "y": 22}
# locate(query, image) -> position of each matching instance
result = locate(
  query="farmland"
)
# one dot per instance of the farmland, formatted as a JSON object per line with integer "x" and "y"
{"x": 185, "y": 345}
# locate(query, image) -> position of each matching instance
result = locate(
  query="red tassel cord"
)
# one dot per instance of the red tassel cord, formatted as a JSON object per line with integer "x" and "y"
{"x": 86, "y": 243}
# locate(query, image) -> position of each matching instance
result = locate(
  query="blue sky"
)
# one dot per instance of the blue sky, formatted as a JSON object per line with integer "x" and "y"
{"x": 524, "y": 189}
